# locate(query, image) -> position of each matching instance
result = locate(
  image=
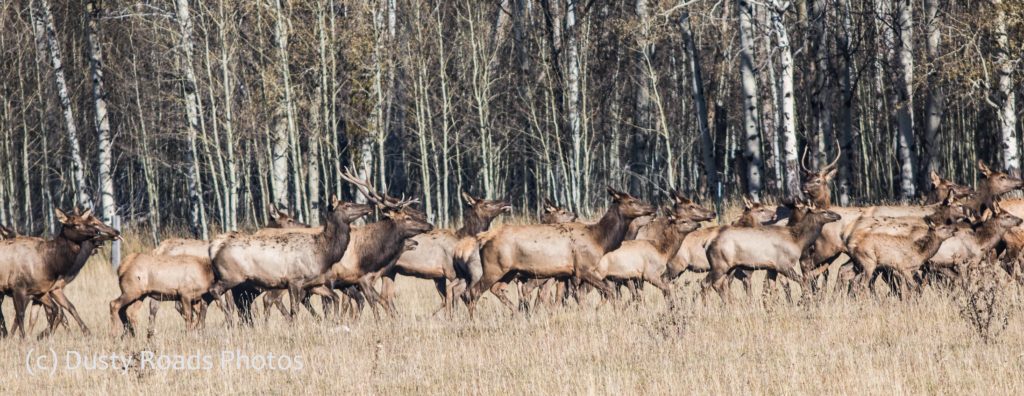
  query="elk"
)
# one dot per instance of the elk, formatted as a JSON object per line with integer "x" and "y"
{"x": 646, "y": 260}
{"x": 968, "y": 247}
{"x": 555, "y": 251}
{"x": 691, "y": 255}
{"x": 902, "y": 254}
{"x": 682, "y": 208}
{"x": 941, "y": 188}
{"x": 376, "y": 247}
{"x": 434, "y": 257}
{"x": 284, "y": 261}
{"x": 993, "y": 185}
{"x": 815, "y": 183}
{"x": 38, "y": 269}
{"x": 182, "y": 278}
{"x": 280, "y": 218}
{"x": 772, "y": 248}
{"x": 554, "y": 214}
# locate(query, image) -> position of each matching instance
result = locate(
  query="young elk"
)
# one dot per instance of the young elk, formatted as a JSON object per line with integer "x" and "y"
{"x": 993, "y": 185}
{"x": 645, "y": 260}
{"x": 969, "y": 247}
{"x": 286, "y": 261}
{"x": 902, "y": 254}
{"x": 682, "y": 207}
{"x": 771, "y": 248}
{"x": 38, "y": 269}
{"x": 556, "y": 251}
{"x": 184, "y": 279}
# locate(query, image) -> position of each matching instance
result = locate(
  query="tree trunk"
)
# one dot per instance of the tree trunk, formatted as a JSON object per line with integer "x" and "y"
{"x": 903, "y": 30}
{"x": 99, "y": 97}
{"x": 43, "y": 26}
{"x": 787, "y": 103}
{"x": 847, "y": 140}
{"x": 936, "y": 96}
{"x": 281, "y": 148}
{"x": 707, "y": 146}
{"x": 189, "y": 91}
{"x": 752, "y": 146}
{"x": 1007, "y": 98}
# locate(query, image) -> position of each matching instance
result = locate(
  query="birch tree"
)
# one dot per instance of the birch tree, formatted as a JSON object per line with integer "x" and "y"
{"x": 787, "y": 103}
{"x": 1007, "y": 98}
{"x": 102, "y": 123}
{"x": 44, "y": 28}
{"x": 189, "y": 92}
{"x": 752, "y": 137}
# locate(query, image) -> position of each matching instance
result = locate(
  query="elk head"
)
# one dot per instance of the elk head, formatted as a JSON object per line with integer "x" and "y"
{"x": 680, "y": 225}
{"x": 346, "y": 212}
{"x": 556, "y": 215}
{"x": 409, "y": 221}
{"x": 996, "y": 183}
{"x": 685, "y": 208}
{"x": 950, "y": 211}
{"x": 485, "y": 209}
{"x": 280, "y": 218}
{"x": 756, "y": 213}
{"x": 629, "y": 206}
{"x": 941, "y": 188}
{"x": 84, "y": 227}
{"x": 815, "y": 183}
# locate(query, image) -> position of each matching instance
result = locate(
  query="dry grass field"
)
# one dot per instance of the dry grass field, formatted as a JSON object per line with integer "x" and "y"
{"x": 832, "y": 345}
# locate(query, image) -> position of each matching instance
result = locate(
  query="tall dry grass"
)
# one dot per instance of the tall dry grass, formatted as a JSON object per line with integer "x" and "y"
{"x": 833, "y": 345}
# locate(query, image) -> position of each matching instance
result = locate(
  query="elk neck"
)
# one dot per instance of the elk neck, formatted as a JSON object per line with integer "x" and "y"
{"x": 384, "y": 241}
{"x": 806, "y": 231}
{"x": 669, "y": 244}
{"x": 989, "y": 233}
{"x": 473, "y": 224}
{"x": 333, "y": 240}
{"x": 68, "y": 256}
{"x": 928, "y": 244}
{"x": 610, "y": 231}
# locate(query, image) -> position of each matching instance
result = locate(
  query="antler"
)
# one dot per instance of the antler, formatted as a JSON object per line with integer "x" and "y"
{"x": 803, "y": 159}
{"x": 839, "y": 152}
{"x": 371, "y": 193}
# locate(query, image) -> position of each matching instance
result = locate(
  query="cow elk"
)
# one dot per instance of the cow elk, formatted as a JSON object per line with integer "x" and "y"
{"x": 34, "y": 269}
{"x": 556, "y": 251}
{"x": 902, "y": 254}
{"x": 645, "y": 260}
{"x": 182, "y": 278}
{"x": 770, "y": 248}
{"x": 286, "y": 261}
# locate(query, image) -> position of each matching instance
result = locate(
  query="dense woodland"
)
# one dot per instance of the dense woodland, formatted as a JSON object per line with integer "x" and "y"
{"x": 183, "y": 113}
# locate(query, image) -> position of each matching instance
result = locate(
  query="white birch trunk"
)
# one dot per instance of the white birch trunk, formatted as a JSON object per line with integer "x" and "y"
{"x": 752, "y": 144}
{"x": 43, "y": 26}
{"x": 1008, "y": 99}
{"x": 787, "y": 103}
{"x": 106, "y": 183}
{"x": 189, "y": 90}
{"x": 281, "y": 142}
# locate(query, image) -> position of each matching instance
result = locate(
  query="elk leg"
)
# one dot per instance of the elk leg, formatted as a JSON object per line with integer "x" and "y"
{"x": 485, "y": 283}
{"x": 329, "y": 298}
{"x": 387, "y": 292}
{"x": 372, "y": 297}
{"x": 186, "y": 304}
{"x": 119, "y": 312}
{"x": 21, "y": 301}
{"x": 154, "y": 308}
{"x": 665, "y": 289}
{"x": 3, "y": 322}
{"x": 244, "y": 297}
{"x": 64, "y": 303}
{"x": 52, "y": 316}
{"x": 271, "y": 299}
{"x": 498, "y": 290}
{"x": 201, "y": 306}
{"x": 790, "y": 272}
{"x": 217, "y": 292}
{"x": 296, "y": 294}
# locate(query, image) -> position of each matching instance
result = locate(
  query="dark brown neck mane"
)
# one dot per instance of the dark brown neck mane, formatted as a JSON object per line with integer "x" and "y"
{"x": 928, "y": 244}
{"x": 611, "y": 230}
{"x": 806, "y": 231}
{"x": 473, "y": 224}
{"x": 333, "y": 241}
{"x": 69, "y": 256}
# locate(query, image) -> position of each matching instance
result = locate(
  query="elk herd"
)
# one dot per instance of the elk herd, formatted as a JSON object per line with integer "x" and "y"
{"x": 560, "y": 259}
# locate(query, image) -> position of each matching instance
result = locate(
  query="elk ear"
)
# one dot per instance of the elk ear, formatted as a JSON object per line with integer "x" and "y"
{"x": 746, "y": 203}
{"x": 984, "y": 168}
{"x": 831, "y": 174}
{"x": 950, "y": 196}
{"x": 469, "y": 199}
{"x": 335, "y": 202}
{"x": 550, "y": 209}
{"x": 61, "y": 216}
{"x": 616, "y": 195}
{"x": 87, "y": 214}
